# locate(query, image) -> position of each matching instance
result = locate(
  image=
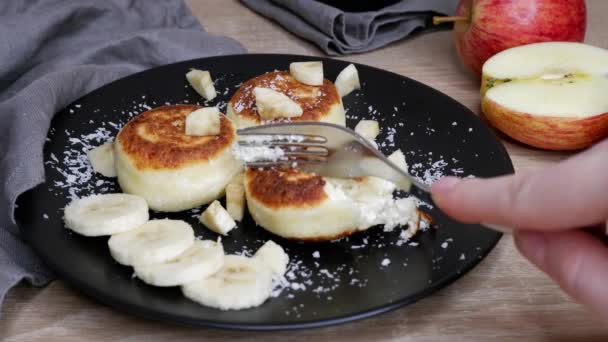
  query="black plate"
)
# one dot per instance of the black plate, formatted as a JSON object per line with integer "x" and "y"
{"x": 347, "y": 281}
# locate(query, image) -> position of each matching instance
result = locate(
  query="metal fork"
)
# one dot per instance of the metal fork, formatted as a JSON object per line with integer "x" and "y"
{"x": 326, "y": 149}
{"x": 332, "y": 151}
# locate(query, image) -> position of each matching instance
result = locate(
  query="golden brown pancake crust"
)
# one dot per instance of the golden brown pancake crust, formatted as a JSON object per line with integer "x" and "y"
{"x": 282, "y": 189}
{"x": 156, "y": 139}
{"x": 314, "y": 107}
{"x": 324, "y": 238}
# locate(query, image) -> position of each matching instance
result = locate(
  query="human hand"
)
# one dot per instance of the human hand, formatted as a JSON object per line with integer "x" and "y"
{"x": 546, "y": 207}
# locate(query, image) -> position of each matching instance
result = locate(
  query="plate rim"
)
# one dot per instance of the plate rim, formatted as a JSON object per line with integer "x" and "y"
{"x": 144, "y": 312}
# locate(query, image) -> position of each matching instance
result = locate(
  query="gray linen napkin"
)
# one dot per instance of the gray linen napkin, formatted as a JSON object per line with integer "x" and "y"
{"x": 339, "y": 33}
{"x": 51, "y": 53}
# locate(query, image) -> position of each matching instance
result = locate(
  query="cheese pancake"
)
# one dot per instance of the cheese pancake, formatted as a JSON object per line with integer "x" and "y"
{"x": 319, "y": 103}
{"x": 155, "y": 159}
{"x": 289, "y": 203}
{"x": 307, "y": 207}
{"x": 298, "y": 205}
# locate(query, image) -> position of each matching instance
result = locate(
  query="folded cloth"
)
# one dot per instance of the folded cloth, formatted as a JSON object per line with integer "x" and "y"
{"x": 55, "y": 51}
{"x": 338, "y": 32}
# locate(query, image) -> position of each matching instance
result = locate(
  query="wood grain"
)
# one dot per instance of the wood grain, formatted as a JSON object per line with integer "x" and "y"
{"x": 504, "y": 299}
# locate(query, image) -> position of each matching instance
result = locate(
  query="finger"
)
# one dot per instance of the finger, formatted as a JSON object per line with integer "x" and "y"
{"x": 573, "y": 193}
{"x": 576, "y": 260}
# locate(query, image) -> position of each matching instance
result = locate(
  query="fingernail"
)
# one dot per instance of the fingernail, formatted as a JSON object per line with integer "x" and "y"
{"x": 443, "y": 186}
{"x": 532, "y": 246}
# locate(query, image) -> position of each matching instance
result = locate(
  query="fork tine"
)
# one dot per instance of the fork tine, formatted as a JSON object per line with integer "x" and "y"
{"x": 290, "y": 148}
{"x": 290, "y": 128}
{"x": 245, "y": 143}
{"x": 291, "y": 162}
{"x": 263, "y": 138}
{"x": 295, "y": 153}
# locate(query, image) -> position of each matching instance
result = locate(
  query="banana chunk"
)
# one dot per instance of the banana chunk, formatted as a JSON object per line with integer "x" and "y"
{"x": 368, "y": 129}
{"x": 310, "y": 73}
{"x": 107, "y": 214}
{"x": 347, "y": 80}
{"x": 271, "y": 104}
{"x": 203, "y": 122}
{"x": 241, "y": 283}
{"x": 239, "y": 178}
{"x": 201, "y": 81}
{"x": 274, "y": 256}
{"x": 235, "y": 197}
{"x": 201, "y": 260}
{"x": 235, "y": 201}
{"x": 154, "y": 242}
{"x": 398, "y": 158}
{"x": 102, "y": 159}
{"x": 216, "y": 218}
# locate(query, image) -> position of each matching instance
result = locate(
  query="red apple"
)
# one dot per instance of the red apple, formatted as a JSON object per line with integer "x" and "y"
{"x": 482, "y": 28}
{"x": 551, "y": 95}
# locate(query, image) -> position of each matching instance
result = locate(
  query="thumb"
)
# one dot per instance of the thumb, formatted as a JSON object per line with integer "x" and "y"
{"x": 571, "y": 194}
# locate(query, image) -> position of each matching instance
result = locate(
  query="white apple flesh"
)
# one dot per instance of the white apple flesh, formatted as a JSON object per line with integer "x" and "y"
{"x": 549, "y": 95}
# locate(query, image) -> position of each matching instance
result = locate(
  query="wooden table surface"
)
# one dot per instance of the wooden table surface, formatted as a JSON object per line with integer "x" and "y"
{"x": 504, "y": 298}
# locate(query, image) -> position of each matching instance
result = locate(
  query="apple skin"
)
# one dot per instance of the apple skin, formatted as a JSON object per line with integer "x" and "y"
{"x": 496, "y": 25}
{"x": 546, "y": 132}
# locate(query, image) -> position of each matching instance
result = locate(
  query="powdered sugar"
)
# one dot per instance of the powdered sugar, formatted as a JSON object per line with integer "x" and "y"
{"x": 74, "y": 165}
{"x": 77, "y": 175}
{"x": 430, "y": 173}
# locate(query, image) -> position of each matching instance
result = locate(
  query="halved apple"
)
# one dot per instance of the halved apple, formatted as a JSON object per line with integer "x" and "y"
{"x": 549, "y": 95}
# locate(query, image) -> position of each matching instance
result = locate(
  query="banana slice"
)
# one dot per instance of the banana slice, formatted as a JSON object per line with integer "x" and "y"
{"x": 398, "y": 158}
{"x": 102, "y": 159}
{"x": 203, "y": 122}
{"x": 154, "y": 242}
{"x": 240, "y": 284}
{"x": 201, "y": 81}
{"x": 274, "y": 256}
{"x": 201, "y": 260}
{"x": 310, "y": 73}
{"x": 216, "y": 218}
{"x": 271, "y": 104}
{"x": 107, "y": 214}
{"x": 347, "y": 80}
